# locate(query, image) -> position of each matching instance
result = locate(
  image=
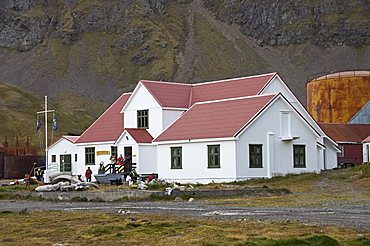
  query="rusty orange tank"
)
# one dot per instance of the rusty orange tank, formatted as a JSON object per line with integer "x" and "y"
{"x": 337, "y": 97}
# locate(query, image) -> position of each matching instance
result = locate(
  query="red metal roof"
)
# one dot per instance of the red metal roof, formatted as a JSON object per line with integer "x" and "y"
{"x": 230, "y": 88}
{"x": 176, "y": 95}
{"x": 140, "y": 135}
{"x": 71, "y": 139}
{"x": 217, "y": 119}
{"x": 109, "y": 126}
{"x": 366, "y": 140}
{"x": 173, "y": 95}
{"x": 346, "y": 132}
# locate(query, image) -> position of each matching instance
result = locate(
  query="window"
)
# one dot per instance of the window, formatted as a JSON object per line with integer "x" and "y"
{"x": 113, "y": 150}
{"x": 75, "y": 157}
{"x": 53, "y": 158}
{"x": 176, "y": 157}
{"x": 255, "y": 155}
{"x": 299, "y": 152}
{"x": 90, "y": 156}
{"x": 213, "y": 156}
{"x": 341, "y": 154}
{"x": 142, "y": 118}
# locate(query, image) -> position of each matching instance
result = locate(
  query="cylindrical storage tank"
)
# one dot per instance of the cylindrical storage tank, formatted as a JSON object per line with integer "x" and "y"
{"x": 337, "y": 97}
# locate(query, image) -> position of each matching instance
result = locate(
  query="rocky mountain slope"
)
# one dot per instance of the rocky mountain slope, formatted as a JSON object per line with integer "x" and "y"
{"x": 95, "y": 49}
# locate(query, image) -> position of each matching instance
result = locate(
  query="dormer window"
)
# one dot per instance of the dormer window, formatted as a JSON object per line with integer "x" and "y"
{"x": 143, "y": 118}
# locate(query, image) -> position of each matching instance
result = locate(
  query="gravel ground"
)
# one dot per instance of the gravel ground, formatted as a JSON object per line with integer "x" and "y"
{"x": 357, "y": 217}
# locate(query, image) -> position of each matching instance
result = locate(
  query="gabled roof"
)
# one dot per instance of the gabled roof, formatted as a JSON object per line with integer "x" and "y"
{"x": 346, "y": 133}
{"x": 108, "y": 126}
{"x": 366, "y": 140}
{"x": 179, "y": 95}
{"x": 140, "y": 135}
{"x": 171, "y": 95}
{"x": 215, "y": 119}
{"x": 71, "y": 139}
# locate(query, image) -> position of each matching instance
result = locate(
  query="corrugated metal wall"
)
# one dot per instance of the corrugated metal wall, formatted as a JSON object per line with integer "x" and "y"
{"x": 15, "y": 167}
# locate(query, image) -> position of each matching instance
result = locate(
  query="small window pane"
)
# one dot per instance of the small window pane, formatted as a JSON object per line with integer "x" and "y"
{"x": 143, "y": 118}
{"x": 53, "y": 158}
{"x": 255, "y": 156}
{"x": 90, "y": 156}
{"x": 176, "y": 157}
{"x": 213, "y": 156}
{"x": 299, "y": 152}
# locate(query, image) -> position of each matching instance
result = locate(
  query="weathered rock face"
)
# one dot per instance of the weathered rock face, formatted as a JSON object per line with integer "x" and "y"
{"x": 273, "y": 22}
{"x": 25, "y": 24}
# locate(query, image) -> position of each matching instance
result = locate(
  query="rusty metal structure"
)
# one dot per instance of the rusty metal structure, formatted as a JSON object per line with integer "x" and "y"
{"x": 337, "y": 97}
{"x": 16, "y": 159}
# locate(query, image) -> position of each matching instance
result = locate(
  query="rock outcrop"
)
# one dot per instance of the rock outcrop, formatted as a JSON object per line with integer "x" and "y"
{"x": 324, "y": 23}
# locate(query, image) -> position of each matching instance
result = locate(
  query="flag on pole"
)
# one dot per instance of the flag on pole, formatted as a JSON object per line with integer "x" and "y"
{"x": 38, "y": 123}
{"x": 55, "y": 125}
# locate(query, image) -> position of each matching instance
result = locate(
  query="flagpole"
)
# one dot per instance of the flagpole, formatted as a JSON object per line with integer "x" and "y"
{"x": 46, "y": 136}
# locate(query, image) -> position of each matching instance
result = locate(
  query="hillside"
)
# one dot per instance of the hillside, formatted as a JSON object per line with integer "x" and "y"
{"x": 18, "y": 114}
{"x": 98, "y": 49}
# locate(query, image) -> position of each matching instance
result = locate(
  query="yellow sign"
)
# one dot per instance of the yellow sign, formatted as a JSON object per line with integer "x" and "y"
{"x": 103, "y": 152}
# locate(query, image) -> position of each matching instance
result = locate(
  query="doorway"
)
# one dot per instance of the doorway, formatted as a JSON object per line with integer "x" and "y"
{"x": 128, "y": 159}
{"x": 65, "y": 163}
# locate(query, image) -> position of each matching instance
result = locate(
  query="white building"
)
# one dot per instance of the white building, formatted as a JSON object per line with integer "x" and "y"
{"x": 366, "y": 149}
{"x": 222, "y": 131}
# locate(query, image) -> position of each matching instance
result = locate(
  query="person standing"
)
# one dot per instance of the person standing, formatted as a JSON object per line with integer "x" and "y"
{"x": 88, "y": 174}
{"x": 120, "y": 160}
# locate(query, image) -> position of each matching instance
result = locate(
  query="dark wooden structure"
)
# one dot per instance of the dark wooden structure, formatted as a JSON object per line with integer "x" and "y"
{"x": 17, "y": 159}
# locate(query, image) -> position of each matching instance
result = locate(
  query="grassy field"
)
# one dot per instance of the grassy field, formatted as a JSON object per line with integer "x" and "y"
{"x": 329, "y": 189}
{"x": 87, "y": 228}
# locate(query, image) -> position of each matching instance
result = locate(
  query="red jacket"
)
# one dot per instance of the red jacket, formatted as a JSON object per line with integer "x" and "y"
{"x": 88, "y": 173}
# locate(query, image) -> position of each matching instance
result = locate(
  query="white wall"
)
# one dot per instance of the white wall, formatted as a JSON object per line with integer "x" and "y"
{"x": 276, "y": 86}
{"x": 170, "y": 116}
{"x": 81, "y": 166}
{"x": 62, "y": 147}
{"x": 266, "y": 131}
{"x": 331, "y": 157}
{"x": 366, "y": 152}
{"x": 147, "y": 159}
{"x": 142, "y": 100}
{"x": 195, "y": 163}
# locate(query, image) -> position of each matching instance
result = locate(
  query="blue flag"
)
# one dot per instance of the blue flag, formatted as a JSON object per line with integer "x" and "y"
{"x": 55, "y": 125}
{"x": 38, "y": 123}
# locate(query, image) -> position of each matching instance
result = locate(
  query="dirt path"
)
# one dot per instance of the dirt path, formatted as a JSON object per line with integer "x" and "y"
{"x": 357, "y": 217}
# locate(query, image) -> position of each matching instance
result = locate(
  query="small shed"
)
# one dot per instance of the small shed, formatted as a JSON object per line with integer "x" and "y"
{"x": 349, "y": 138}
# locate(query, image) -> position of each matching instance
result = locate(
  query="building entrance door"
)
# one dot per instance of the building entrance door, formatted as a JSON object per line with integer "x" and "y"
{"x": 65, "y": 163}
{"x": 128, "y": 159}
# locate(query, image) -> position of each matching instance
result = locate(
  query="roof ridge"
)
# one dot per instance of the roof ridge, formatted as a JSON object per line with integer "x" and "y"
{"x": 165, "y": 82}
{"x": 235, "y": 98}
{"x": 233, "y": 79}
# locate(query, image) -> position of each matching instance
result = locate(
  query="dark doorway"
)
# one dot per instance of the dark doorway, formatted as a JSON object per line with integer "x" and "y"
{"x": 128, "y": 159}
{"x": 65, "y": 163}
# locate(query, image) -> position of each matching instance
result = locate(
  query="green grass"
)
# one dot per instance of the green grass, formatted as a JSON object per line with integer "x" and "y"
{"x": 96, "y": 228}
